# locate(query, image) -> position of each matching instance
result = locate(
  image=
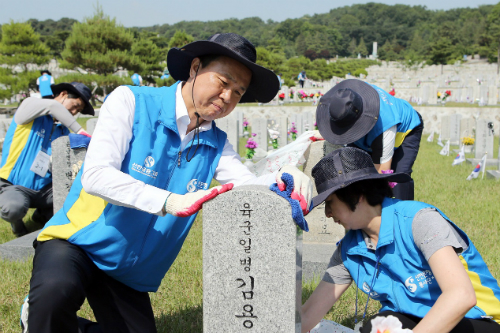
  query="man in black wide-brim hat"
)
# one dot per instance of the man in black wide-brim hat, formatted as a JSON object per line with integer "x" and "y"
{"x": 153, "y": 155}
{"x": 25, "y": 173}
{"x": 365, "y": 116}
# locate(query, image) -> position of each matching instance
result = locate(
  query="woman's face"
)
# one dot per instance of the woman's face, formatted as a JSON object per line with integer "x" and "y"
{"x": 342, "y": 213}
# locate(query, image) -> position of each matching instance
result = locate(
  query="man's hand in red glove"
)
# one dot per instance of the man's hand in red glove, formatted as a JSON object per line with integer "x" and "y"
{"x": 190, "y": 203}
{"x": 302, "y": 186}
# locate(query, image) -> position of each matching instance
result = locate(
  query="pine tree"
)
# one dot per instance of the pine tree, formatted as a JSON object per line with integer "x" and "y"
{"x": 20, "y": 46}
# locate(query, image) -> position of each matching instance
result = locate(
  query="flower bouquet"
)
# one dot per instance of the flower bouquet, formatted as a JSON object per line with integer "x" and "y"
{"x": 293, "y": 131}
{"x": 281, "y": 96}
{"x": 245, "y": 126}
{"x": 250, "y": 146}
{"x": 274, "y": 135}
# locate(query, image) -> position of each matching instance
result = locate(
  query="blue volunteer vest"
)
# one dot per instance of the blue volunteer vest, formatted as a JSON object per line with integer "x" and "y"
{"x": 404, "y": 282}
{"x": 393, "y": 112}
{"x": 21, "y": 146}
{"x": 44, "y": 85}
{"x": 132, "y": 246}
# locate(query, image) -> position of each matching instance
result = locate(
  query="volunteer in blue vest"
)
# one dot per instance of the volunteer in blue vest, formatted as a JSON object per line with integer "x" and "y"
{"x": 25, "y": 170}
{"x": 405, "y": 254}
{"x": 365, "y": 116}
{"x": 153, "y": 155}
{"x": 136, "y": 79}
{"x": 44, "y": 82}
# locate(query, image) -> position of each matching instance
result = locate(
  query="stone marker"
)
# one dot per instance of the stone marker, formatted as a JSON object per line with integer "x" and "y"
{"x": 252, "y": 278}
{"x": 320, "y": 242}
{"x": 307, "y": 121}
{"x": 492, "y": 95}
{"x": 66, "y": 163}
{"x": 282, "y": 123}
{"x": 20, "y": 248}
{"x": 484, "y": 139}
{"x": 454, "y": 122}
{"x": 296, "y": 119}
{"x": 445, "y": 128}
{"x": 259, "y": 127}
{"x": 495, "y": 173}
{"x": 230, "y": 126}
{"x": 239, "y": 117}
{"x": 91, "y": 125}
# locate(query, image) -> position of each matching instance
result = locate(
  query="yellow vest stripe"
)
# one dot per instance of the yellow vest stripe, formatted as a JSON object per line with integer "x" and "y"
{"x": 486, "y": 299}
{"x": 21, "y": 136}
{"x": 86, "y": 209}
{"x": 400, "y": 136}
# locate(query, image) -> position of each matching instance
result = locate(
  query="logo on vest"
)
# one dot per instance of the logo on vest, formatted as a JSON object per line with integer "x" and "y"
{"x": 149, "y": 161}
{"x": 41, "y": 133}
{"x": 145, "y": 169}
{"x": 195, "y": 185}
{"x": 412, "y": 287}
{"x": 366, "y": 289}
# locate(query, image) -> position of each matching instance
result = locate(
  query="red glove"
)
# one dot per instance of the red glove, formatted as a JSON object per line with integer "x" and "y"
{"x": 316, "y": 136}
{"x": 83, "y": 132}
{"x": 190, "y": 203}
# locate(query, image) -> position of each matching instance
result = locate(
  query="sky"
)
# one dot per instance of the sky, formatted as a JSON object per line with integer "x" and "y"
{"x": 144, "y": 13}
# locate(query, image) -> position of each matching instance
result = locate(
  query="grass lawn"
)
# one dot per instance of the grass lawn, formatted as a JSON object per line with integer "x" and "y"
{"x": 472, "y": 205}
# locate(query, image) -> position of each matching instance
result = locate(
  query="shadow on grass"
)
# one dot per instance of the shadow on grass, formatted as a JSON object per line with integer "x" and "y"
{"x": 181, "y": 321}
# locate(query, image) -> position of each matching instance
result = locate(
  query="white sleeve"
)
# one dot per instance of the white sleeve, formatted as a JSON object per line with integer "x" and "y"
{"x": 52, "y": 80}
{"x": 388, "y": 141}
{"x": 38, "y": 81}
{"x": 231, "y": 170}
{"x": 109, "y": 145}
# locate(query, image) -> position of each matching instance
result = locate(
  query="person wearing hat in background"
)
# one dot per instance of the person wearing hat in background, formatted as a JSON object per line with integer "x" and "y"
{"x": 363, "y": 115}
{"x": 44, "y": 82}
{"x": 153, "y": 155}
{"x": 405, "y": 254}
{"x": 25, "y": 172}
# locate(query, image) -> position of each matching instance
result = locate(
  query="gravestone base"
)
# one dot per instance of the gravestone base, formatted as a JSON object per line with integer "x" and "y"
{"x": 315, "y": 259}
{"x": 489, "y": 161}
{"x": 493, "y": 174}
{"x": 19, "y": 249}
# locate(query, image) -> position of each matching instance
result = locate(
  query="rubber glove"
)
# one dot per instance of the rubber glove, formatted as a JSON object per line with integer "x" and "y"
{"x": 303, "y": 188}
{"x": 190, "y": 203}
{"x": 83, "y": 132}
{"x": 316, "y": 136}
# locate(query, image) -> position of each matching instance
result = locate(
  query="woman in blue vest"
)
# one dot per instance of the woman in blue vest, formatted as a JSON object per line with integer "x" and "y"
{"x": 44, "y": 82}
{"x": 363, "y": 115}
{"x": 405, "y": 254}
{"x": 153, "y": 155}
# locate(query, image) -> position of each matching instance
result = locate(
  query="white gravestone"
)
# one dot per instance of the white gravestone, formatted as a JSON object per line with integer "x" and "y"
{"x": 259, "y": 127}
{"x": 252, "y": 278}
{"x": 445, "y": 127}
{"x": 455, "y": 129}
{"x": 484, "y": 139}
{"x": 230, "y": 125}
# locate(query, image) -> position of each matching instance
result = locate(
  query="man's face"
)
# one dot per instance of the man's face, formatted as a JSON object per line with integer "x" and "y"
{"x": 219, "y": 87}
{"x": 74, "y": 105}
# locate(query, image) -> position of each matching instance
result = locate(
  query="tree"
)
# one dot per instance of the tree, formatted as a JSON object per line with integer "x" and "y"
{"x": 151, "y": 57}
{"x": 352, "y": 47}
{"x": 20, "y": 46}
{"x": 361, "y": 49}
{"x": 180, "y": 38}
{"x": 493, "y": 30}
{"x": 441, "y": 50}
{"x": 99, "y": 45}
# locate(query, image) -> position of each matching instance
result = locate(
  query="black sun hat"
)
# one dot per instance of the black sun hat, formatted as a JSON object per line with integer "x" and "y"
{"x": 264, "y": 84}
{"x": 343, "y": 167}
{"x": 76, "y": 88}
{"x": 348, "y": 111}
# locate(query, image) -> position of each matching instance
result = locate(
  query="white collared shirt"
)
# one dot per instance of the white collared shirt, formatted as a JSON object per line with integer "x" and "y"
{"x": 110, "y": 143}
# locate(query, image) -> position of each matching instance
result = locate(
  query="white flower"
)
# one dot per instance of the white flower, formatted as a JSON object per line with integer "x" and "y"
{"x": 389, "y": 324}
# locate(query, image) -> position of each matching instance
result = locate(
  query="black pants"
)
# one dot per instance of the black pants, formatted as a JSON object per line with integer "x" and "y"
{"x": 464, "y": 326}
{"x": 63, "y": 276}
{"x": 403, "y": 159}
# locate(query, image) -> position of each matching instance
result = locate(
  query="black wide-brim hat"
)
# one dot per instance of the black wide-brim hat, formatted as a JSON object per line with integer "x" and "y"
{"x": 76, "y": 88}
{"x": 264, "y": 84}
{"x": 331, "y": 130}
{"x": 343, "y": 167}
{"x": 45, "y": 71}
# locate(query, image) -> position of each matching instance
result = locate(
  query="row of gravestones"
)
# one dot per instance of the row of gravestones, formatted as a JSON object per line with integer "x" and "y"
{"x": 250, "y": 236}
{"x": 454, "y": 129}
{"x": 233, "y": 126}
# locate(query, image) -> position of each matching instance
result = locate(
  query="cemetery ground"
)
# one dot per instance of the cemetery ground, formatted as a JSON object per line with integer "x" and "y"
{"x": 472, "y": 205}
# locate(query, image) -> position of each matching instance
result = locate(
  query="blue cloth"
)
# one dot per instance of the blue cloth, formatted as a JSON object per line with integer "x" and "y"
{"x": 297, "y": 214}
{"x": 78, "y": 141}
{"x": 44, "y": 85}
